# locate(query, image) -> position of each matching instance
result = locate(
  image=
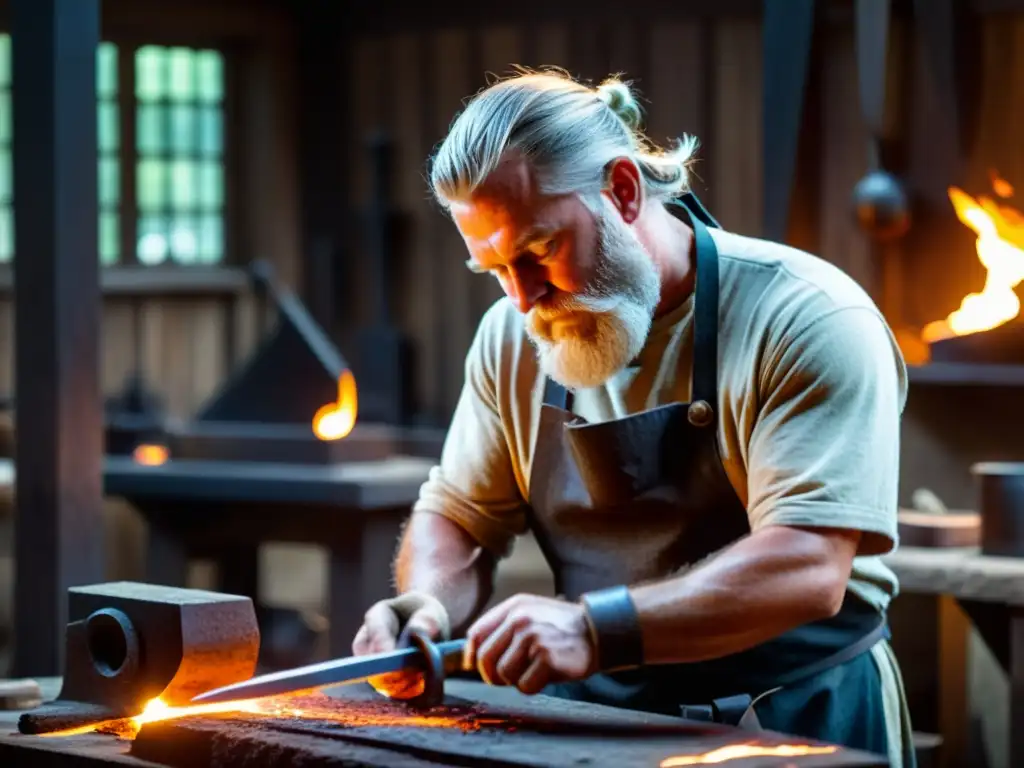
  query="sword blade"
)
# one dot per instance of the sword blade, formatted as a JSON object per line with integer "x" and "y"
{"x": 352, "y": 669}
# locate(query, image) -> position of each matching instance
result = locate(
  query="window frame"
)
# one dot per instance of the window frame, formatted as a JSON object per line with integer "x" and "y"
{"x": 129, "y": 155}
{"x": 129, "y": 276}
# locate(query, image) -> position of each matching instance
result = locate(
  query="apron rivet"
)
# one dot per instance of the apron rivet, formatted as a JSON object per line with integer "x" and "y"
{"x": 699, "y": 413}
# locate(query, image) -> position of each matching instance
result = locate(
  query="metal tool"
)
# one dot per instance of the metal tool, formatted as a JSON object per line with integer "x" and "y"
{"x": 129, "y": 643}
{"x": 434, "y": 660}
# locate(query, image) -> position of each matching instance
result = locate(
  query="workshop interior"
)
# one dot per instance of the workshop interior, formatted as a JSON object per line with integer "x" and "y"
{"x": 234, "y": 327}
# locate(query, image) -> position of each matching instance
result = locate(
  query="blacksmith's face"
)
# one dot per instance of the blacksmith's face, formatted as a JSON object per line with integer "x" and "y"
{"x": 586, "y": 284}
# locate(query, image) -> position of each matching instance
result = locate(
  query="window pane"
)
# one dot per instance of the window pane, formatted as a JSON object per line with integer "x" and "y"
{"x": 5, "y": 116}
{"x": 211, "y": 239}
{"x": 110, "y": 238}
{"x": 184, "y": 243}
{"x": 182, "y": 74}
{"x": 183, "y": 184}
{"x": 106, "y": 70}
{"x": 108, "y": 127}
{"x": 5, "y": 175}
{"x": 149, "y": 129}
{"x": 210, "y": 131}
{"x": 183, "y": 128}
{"x": 5, "y": 59}
{"x": 209, "y": 76}
{"x": 151, "y": 180}
{"x": 210, "y": 192}
{"x": 149, "y": 73}
{"x": 110, "y": 181}
{"x": 152, "y": 240}
{"x": 6, "y": 234}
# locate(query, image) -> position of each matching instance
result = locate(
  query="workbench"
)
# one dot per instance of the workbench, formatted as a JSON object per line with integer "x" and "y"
{"x": 990, "y": 590}
{"x": 224, "y": 511}
{"x": 551, "y": 734}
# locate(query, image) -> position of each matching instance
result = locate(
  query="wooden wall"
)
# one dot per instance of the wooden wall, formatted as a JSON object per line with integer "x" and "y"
{"x": 700, "y": 77}
{"x": 184, "y": 339}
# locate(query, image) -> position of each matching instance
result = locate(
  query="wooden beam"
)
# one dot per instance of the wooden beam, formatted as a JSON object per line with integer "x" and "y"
{"x": 58, "y": 417}
{"x": 160, "y": 281}
{"x": 321, "y": 103}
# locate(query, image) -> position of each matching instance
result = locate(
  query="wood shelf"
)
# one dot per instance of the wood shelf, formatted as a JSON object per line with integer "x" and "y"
{"x": 966, "y": 375}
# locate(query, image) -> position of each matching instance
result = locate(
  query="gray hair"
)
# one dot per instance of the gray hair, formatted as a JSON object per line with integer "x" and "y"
{"x": 568, "y": 131}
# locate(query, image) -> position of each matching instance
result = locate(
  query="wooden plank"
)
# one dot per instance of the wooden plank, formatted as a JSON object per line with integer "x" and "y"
{"x": 323, "y": 123}
{"x": 736, "y": 141}
{"x": 452, "y": 287}
{"x": 679, "y": 90}
{"x": 369, "y": 91}
{"x": 375, "y": 18}
{"x": 962, "y": 573}
{"x": 166, "y": 353}
{"x": 416, "y": 306}
{"x": 118, "y": 345}
{"x": 206, "y": 340}
{"x": 488, "y": 727}
{"x": 843, "y": 158}
{"x": 954, "y": 636}
{"x": 588, "y": 50}
{"x": 551, "y": 45}
{"x": 500, "y": 49}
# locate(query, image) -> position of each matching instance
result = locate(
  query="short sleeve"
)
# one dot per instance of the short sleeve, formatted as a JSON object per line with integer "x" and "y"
{"x": 825, "y": 448}
{"x": 474, "y": 484}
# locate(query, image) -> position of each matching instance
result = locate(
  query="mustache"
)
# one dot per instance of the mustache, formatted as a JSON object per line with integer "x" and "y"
{"x": 565, "y": 303}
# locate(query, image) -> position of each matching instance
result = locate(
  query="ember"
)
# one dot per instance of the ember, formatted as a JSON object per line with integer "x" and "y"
{"x": 1000, "y": 247}
{"x": 150, "y": 455}
{"x": 741, "y": 751}
{"x": 313, "y": 707}
{"x": 336, "y": 420}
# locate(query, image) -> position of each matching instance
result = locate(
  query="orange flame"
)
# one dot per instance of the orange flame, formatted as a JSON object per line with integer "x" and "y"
{"x": 157, "y": 710}
{"x": 335, "y": 420}
{"x": 316, "y": 706}
{"x": 1000, "y": 247}
{"x": 150, "y": 455}
{"x": 741, "y": 751}
{"x": 1000, "y": 186}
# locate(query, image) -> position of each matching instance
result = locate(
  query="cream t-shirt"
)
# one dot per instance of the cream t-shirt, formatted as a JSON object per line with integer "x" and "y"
{"x": 811, "y": 388}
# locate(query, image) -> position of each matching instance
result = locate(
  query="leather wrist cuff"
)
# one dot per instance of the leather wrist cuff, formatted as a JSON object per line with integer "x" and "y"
{"x": 616, "y": 628}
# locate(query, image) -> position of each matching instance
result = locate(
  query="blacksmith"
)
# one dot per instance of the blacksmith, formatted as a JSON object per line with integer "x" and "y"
{"x": 701, "y": 430}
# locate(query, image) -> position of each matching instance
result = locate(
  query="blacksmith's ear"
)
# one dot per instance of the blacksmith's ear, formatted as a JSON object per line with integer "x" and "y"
{"x": 624, "y": 188}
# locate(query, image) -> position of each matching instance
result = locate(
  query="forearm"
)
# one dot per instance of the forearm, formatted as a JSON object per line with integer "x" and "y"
{"x": 438, "y": 557}
{"x": 764, "y": 585}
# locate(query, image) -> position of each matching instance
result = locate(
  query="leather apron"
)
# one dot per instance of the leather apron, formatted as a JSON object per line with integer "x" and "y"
{"x": 642, "y": 497}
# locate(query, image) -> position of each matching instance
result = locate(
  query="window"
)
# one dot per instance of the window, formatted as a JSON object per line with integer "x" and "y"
{"x": 179, "y": 139}
{"x": 175, "y": 96}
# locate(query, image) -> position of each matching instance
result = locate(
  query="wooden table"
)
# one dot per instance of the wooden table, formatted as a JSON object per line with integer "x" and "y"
{"x": 225, "y": 510}
{"x": 593, "y": 741}
{"x": 990, "y": 590}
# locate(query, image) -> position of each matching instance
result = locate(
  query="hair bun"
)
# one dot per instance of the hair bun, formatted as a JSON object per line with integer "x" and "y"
{"x": 620, "y": 99}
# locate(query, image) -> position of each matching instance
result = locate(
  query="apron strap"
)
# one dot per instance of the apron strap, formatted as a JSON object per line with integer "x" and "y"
{"x": 705, "y": 315}
{"x": 705, "y": 308}
{"x": 845, "y": 654}
{"x": 556, "y": 395}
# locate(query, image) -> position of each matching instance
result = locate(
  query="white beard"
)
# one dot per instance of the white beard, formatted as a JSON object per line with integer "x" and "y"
{"x": 584, "y": 339}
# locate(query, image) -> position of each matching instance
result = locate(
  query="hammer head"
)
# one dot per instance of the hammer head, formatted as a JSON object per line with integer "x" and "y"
{"x": 128, "y": 643}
